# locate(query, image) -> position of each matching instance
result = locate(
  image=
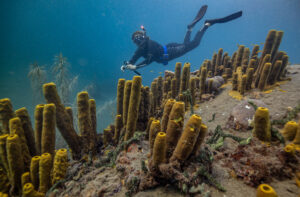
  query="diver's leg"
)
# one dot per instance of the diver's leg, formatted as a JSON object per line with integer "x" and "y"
{"x": 193, "y": 44}
{"x": 187, "y": 36}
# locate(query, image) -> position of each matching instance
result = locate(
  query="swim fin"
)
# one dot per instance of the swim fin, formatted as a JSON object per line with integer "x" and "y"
{"x": 198, "y": 17}
{"x": 225, "y": 19}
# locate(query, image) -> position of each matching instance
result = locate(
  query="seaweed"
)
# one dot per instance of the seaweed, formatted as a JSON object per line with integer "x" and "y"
{"x": 253, "y": 105}
{"x": 65, "y": 83}
{"x": 132, "y": 186}
{"x": 290, "y": 116}
{"x": 213, "y": 117}
{"x": 217, "y": 139}
{"x": 37, "y": 76}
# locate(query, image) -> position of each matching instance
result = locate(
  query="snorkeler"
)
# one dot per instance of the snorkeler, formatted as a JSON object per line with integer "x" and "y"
{"x": 153, "y": 51}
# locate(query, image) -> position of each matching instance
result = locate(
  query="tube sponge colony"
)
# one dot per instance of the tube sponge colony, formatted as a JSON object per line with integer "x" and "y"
{"x": 154, "y": 130}
{"x": 134, "y": 102}
{"x": 15, "y": 162}
{"x": 188, "y": 139}
{"x": 48, "y": 132}
{"x": 262, "y": 127}
{"x": 60, "y": 165}
{"x": 25, "y": 178}
{"x": 159, "y": 149}
{"x": 15, "y": 127}
{"x": 28, "y": 130}
{"x": 265, "y": 190}
{"x": 63, "y": 120}
{"x": 165, "y": 118}
{"x": 45, "y": 166}
{"x": 175, "y": 125}
{"x": 6, "y": 113}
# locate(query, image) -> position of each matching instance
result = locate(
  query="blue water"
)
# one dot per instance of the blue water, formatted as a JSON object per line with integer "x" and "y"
{"x": 95, "y": 36}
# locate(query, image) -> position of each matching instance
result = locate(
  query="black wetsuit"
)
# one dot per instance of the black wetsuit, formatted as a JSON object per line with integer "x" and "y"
{"x": 153, "y": 51}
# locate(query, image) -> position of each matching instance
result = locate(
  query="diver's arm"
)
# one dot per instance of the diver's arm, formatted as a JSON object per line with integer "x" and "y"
{"x": 146, "y": 62}
{"x": 137, "y": 54}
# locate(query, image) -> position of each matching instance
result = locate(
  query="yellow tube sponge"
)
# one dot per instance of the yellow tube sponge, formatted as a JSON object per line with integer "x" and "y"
{"x": 213, "y": 64}
{"x": 173, "y": 88}
{"x": 235, "y": 81}
{"x": 48, "y": 132}
{"x": 185, "y": 77}
{"x": 262, "y": 127}
{"x": 279, "y": 35}
{"x": 120, "y": 96}
{"x": 259, "y": 70}
{"x": 60, "y": 165}
{"x": 34, "y": 171}
{"x": 165, "y": 118}
{"x": 265, "y": 190}
{"x": 134, "y": 102}
{"x": 297, "y": 137}
{"x": 264, "y": 76}
{"x": 84, "y": 120}
{"x": 25, "y": 178}
{"x": 239, "y": 57}
{"x": 154, "y": 130}
{"x": 175, "y": 125}
{"x": 28, "y": 130}
{"x": 63, "y": 120}
{"x": 193, "y": 90}
{"x": 289, "y": 149}
{"x": 4, "y": 181}
{"x": 118, "y": 124}
{"x": 255, "y": 51}
{"x": 289, "y": 131}
{"x": 93, "y": 117}
{"x": 107, "y": 136}
{"x": 188, "y": 139}
{"x": 209, "y": 86}
{"x": 15, "y": 127}
{"x": 70, "y": 113}
{"x": 3, "y": 152}
{"x": 45, "y": 167}
{"x": 126, "y": 99}
{"x": 29, "y": 191}
{"x": 243, "y": 85}
{"x": 6, "y": 113}
{"x": 202, "y": 80}
{"x": 15, "y": 162}
{"x": 177, "y": 77}
{"x": 159, "y": 90}
{"x": 159, "y": 149}
{"x": 200, "y": 139}
{"x": 148, "y": 127}
{"x": 38, "y": 127}
{"x": 249, "y": 78}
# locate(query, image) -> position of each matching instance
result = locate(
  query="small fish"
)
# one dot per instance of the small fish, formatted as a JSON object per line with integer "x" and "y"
{"x": 282, "y": 90}
{"x": 151, "y": 71}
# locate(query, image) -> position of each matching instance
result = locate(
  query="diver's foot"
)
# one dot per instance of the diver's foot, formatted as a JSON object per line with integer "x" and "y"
{"x": 224, "y": 19}
{"x": 198, "y": 17}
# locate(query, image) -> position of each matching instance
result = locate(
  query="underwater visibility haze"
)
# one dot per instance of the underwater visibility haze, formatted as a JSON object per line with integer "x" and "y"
{"x": 187, "y": 116}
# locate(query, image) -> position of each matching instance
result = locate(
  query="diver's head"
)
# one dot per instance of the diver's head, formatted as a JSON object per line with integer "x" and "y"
{"x": 139, "y": 37}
